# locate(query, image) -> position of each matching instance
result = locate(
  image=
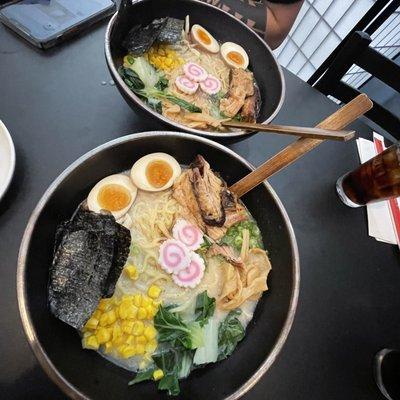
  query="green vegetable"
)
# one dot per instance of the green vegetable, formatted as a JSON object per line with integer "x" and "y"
{"x": 186, "y": 364}
{"x": 155, "y": 104}
{"x": 215, "y": 105}
{"x": 182, "y": 103}
{"x": 186, "y": 309}
{"x": 131, "y": 78}
{"x": 204, "y": 246}
{"x": 205, "y": 307}
{"x": 134, "y": 250}
{"x": 234, "y": 235}
{"x": 171, "y": 384}
{"x": 171, "y": 328}
{"x": 162, "y": 83}
{"x": 145, "y": 71}
{"x": 230, "y": 333}
{"x": 176, "y": 363}
{"x": 151, "y": 94}
{"x": 130, "y": 59}
{"x": 238, "y": 117}
{"x": 142, "y": 376}
{"x": 209, "y": 352}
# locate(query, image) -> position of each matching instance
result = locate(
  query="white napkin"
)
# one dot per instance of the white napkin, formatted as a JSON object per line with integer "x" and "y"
{"x": 380, "y": 219}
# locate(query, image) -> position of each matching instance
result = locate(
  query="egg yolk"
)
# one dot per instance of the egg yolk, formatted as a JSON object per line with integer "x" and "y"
{"x": 203, "y": 36}
{"x": 236, "y": 57}
{"x": 113, "y": 197}
{"x": 158, "y": 173}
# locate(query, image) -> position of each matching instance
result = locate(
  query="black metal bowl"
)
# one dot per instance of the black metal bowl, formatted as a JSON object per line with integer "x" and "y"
{"x": 224, "y": 27}
{"x": 83, "y": 374}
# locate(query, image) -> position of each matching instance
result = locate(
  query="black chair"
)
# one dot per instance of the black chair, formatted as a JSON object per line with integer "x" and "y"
{"x": 356, "y": 51}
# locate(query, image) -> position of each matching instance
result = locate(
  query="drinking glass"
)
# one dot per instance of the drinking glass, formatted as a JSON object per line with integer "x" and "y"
{"x": 377, "y": 179}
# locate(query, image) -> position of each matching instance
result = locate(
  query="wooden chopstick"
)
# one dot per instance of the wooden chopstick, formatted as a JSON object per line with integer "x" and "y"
{"x": 313, "y": 133}
{"x": 338, "y": 120}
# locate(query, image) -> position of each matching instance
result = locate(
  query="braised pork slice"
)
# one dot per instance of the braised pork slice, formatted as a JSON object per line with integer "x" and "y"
{"x": 251, "y": 106}
{"x": 205, "y": 200}
{"x": 241, "y": 85}
{"x": 183, "y": 194}
{"x": 226, "y": 252}
{"x": 207, "y": 188}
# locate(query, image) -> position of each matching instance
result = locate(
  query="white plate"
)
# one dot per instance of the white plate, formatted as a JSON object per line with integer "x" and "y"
{"x": 7, "y": 159}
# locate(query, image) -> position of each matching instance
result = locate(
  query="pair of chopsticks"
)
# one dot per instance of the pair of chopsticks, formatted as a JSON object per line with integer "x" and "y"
{"x": 313, "y": 133}
{"x": 332, "y": 126}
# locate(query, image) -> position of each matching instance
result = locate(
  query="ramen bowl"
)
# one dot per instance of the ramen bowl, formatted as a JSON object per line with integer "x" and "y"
{"x": 224, "y": 27}
{"x": 84, "y": 374}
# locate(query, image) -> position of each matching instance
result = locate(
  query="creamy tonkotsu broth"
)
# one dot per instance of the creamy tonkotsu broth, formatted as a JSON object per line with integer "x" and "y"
{"x": 192, "y": 275}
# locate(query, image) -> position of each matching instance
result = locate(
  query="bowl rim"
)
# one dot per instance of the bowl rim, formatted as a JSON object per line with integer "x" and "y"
{"x": 33, "y": 340}
{"x": 175, "y": 125}
{"x": 11, "y": 151}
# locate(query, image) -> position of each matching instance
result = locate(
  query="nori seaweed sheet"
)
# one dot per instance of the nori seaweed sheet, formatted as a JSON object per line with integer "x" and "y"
{"x": 139, "y": 39}
{"x": 90, "y": 252}
{"x": 123, "y": 242}
{"x": 164, "y": 30}
{"x": 171, "y": 32}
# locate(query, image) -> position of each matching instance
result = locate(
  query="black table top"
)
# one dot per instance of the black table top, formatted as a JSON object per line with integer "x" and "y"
{"x": 59, "y": 104}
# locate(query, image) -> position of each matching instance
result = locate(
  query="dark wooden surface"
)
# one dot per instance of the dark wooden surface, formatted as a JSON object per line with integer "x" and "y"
{"x": 57, "y": 108}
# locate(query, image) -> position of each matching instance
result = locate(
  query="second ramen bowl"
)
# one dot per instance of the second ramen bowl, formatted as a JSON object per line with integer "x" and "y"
{"x": 224, "y": 27}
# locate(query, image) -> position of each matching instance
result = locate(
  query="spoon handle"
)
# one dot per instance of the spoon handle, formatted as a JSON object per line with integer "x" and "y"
{"x": 338, "y": 120}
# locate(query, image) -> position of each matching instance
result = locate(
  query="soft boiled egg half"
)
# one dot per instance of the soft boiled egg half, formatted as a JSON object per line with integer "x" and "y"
{"x": 155, "y": 172}
{"x": 234, "y": 55}
{"x": 204, "y": 38}
{"x": 115, "y": 193}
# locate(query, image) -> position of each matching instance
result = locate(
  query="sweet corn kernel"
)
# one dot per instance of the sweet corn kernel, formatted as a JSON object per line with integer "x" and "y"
{"x": 90, "y": 342}
{"x": 124, "y": 308}
{"x": 138, "y": 328}
{"x": 103, "y": 335}
{"x": 97, "y": 314}
{"x": 116, "y": 331}
{"x": 151, "y": 346}
{"x": 150, "y": 332}
{"x": 132, "y": 311}
{"x": 108, "y": 347}
{"x": 137, "y": 300}
{"x": 128, "y": 351}
{"x": 146, "y": 301}
{"x": 87, "y": 334}
{"x": 103, "y": 304}
{"x": 157, "y": 303}
{"x": 111, "y": 316}
{"x": 158, "y": 374}
{"x": 121, "y": 348}
{"x": 154, "y": 291}
{"x": 92, "y": 323}
{"x": 130, "y": 340}
{"x": 104, "y": 320}
{"x": 141, "y": 339}
{"x": 151, "y": 311}
{"x": 140, "y": 349}
{"x": 131, "y": 271}
{"x": 127, "y": 326}
{"x": 119, "y": 341}
{"x": 142, "y": 313}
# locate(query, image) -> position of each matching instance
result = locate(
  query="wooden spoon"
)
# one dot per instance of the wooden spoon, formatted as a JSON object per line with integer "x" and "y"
{"x": 313, "y": 133}
{"x": 338, "y": 120}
